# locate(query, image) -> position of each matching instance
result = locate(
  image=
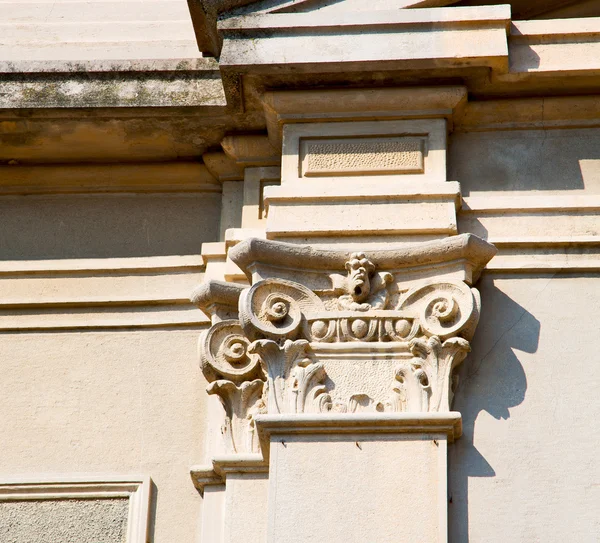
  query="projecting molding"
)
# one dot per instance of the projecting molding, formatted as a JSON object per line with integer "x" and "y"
{"x": 205, "y": 13}
{"x": 334, "y": 331}
{"x": 301, "y": 106}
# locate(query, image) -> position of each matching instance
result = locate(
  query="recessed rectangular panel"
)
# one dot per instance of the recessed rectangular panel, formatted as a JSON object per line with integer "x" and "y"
{"x": 54, "y": 521}
{"x": 87, "y": 509}
{"x": 356, "y": 156}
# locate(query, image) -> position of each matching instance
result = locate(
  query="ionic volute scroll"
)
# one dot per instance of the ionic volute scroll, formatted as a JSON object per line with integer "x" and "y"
{"x": 276, "y": 309}
{"x": 443, "y": 308}
{"x": 236, "y": 377}
{"x": 273, "y": 312}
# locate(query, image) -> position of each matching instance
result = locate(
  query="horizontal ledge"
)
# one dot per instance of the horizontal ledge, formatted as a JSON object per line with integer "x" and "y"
{"x": 102, "y": 326}
{"x": 273, "y": 233}
{"x": 363, "y": 188}
{"x": 550, "y": 203}
{"x": 555, "y": 28}
{"x": 83, "y": 46}
{"x": 449, "y": 424}
{"x": 560, "y": 266}
{"x": 105, "y": 265}
{"x": 82, "y": 318}
{"x": 215, "y": 474}
{"x": 35, "y": 481}
{"x": 66, "y": 67}
{"x": 239, "y": 463}
{"x": 462, "y": 16}
{"x": 546, "y": 241}
{"x": 107, "y": 188}
{"x": 92, "y": 302}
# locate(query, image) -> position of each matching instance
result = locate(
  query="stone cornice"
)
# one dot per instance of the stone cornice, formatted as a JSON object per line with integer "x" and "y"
{"x": 302, "y": 106}
{"x": 448, "y": 424}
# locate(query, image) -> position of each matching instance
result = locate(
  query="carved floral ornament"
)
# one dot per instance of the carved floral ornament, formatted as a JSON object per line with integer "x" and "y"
{"x": 368, "y": 340}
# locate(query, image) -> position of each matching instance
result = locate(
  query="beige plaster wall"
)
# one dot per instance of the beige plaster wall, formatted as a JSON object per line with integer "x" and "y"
{"x": 123, "y": 402}
{"x": 98, "y": 338}
{"x": 526, "y": 468}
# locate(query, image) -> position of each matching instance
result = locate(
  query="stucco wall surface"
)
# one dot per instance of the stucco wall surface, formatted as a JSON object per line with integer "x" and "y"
{"x": 84, "y": 521}
{"x": 526, "y": 467}
{"x": 108, "y": 402}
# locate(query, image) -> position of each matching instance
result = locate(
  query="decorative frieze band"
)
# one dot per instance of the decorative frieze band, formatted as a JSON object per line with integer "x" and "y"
{"x": 356, "y": 156}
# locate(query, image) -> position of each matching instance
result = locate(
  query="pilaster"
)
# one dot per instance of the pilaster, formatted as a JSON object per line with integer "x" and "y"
{"x": 336, "y": 374}
{"x": 342, "y": 301}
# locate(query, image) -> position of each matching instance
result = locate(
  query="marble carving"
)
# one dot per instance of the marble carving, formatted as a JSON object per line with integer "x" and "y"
{"x": 379, "y": 338}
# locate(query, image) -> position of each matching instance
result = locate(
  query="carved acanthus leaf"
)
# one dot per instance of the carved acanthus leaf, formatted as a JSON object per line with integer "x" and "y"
{"x": 240, "y": 402}
{"x": 358, "y": 403}
{"x": 294, "y": 383}
{"x": 424, "y": 383}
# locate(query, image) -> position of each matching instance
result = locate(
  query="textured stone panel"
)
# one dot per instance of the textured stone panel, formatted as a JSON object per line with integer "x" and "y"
{"x": 64, "y": 521}
{"x": 364, "y": 155}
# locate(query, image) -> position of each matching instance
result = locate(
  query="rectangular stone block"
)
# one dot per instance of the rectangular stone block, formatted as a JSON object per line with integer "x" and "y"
{"x": 357, "y": 488}
{"x": 398, "y": 150}
{"x": 246, "y": 507}
{"x": 391, "y": 216}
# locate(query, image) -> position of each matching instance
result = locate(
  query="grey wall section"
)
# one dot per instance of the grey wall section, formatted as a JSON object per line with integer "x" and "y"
{"x": 99, "y": 226}
{"x": 526, "y": 468}
{"x": 512, "y": 162}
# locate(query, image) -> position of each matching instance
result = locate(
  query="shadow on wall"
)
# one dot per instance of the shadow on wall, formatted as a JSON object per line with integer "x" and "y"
{"x": 38, "y": 227}
{"x": 491, "y": 379}
{"x": 521, "y": 160}
{"x": 152, "y": 511}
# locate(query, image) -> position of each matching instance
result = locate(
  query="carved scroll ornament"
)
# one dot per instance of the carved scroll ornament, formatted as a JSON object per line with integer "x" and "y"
{"x": 298, "y": 350}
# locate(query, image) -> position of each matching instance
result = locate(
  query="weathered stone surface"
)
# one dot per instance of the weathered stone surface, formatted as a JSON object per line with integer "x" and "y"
{"x": 362, "y": 156}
